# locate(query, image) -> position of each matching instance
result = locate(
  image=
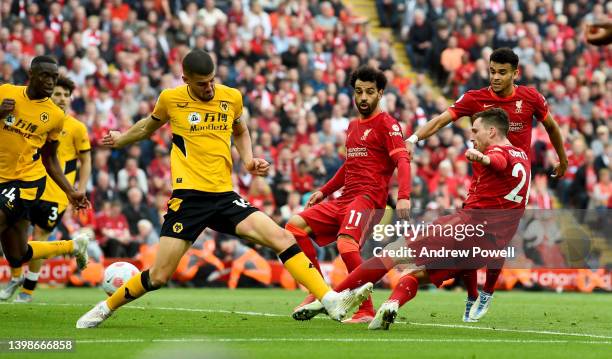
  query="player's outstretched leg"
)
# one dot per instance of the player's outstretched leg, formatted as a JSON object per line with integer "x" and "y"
{"x": 483, "y": 303}
{"x": 17, "y": 252}
{"x": 31, "y": 277}
{"x": 169, "y": 254}
{"x": 297, "y": 226}
{"x": 350, "y": 252}
{"x": 470, "y": 279}
{"x": 370, "y": 271}
{"x": 405, "y": 290}
{"x": 261, "y": 229}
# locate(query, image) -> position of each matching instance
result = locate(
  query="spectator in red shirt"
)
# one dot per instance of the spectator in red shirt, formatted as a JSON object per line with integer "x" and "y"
{"x": 119, "y": 10}
{"x": 113, "y": 233}
{"x": 302, "y": 180}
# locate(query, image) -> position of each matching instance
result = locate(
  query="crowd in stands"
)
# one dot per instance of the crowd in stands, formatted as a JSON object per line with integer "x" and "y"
{"x": 292, "y": 60}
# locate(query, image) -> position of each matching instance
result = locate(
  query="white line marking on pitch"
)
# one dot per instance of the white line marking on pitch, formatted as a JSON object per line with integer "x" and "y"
{"x": 345, "y": 340}
{"x": 260, "y": 314}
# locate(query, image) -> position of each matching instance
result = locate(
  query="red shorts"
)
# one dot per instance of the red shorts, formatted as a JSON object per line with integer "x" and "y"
{"x": 330, "y": 219}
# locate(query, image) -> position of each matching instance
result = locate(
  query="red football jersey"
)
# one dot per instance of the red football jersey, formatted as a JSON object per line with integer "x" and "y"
{"x": 522, "y": 106}
{"x": 501, "y": 189}
{"x": 370, "y": 144}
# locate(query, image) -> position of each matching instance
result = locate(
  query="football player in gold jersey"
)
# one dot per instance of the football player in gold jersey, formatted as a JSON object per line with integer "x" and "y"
{"x": 204, "y": 116}
{"x": 29, "y": 131}
{"x": 74, "y": 146}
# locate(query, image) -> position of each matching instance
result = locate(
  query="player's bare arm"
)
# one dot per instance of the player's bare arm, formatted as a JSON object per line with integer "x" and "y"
{"x": 138, "y": 132}
{"x": 334, "y": 184}
{"x": 85, "y": 170}
{"x": 428, "y": 129}
{"x": 554, "y": 133}
{"x": 476, "y": 156}
{"x": 78, "y": 199}
{"x": 242, "y": 140}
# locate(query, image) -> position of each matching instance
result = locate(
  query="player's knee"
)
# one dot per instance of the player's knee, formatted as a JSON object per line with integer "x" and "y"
{"x": 281, "y": 240}
{"x": 159, "y": 278}
{"x": 297, "y": 221}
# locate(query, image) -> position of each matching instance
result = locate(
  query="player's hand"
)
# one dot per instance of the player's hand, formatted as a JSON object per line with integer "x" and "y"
{"x": 403, "y": 208}
{"x": 409, "y": 150}
{"x": 599, "y": 33}
{"x": 7, "y": 106}
{"x": 258, "y": 167}
{"x": 315, "y": 198}
{"x": 474, "y": 155}
{"x": 559, "y": 169}
{"x": 111, "y": 139}
{"x": 78, "y": 200}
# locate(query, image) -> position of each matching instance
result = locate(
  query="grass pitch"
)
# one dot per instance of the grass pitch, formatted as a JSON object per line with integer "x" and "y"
{"x": 219, "y": 323}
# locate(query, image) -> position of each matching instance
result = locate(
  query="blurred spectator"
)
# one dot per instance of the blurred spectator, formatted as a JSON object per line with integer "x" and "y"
{"x": 136, "y": 209}
{"x": 146, "y": 233}
{"x": 113, "y": 233}
{"x": 131, "y": 170}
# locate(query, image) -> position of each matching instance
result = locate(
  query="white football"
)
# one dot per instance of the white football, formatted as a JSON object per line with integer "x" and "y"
{"x": 116, "y": 274}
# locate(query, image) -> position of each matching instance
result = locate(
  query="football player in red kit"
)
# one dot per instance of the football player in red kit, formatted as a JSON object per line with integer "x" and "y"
{"x": 496, "y": 199}
{"x": 522, "y": 104}
{"x": 375, "y": 148}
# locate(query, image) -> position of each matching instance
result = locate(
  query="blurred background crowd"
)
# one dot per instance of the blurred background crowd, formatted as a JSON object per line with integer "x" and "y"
{"x": 292, "y": 60}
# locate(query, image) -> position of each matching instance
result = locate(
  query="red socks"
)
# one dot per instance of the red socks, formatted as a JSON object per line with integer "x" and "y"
{"x": 492, "y": 275}
{"x": 405, "y": 290}
{"x": 371, "y": 270}
{"x": 470, "y": 279}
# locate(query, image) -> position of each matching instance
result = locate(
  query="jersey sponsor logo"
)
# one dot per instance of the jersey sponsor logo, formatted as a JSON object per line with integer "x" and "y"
{"x": 515, "y": 126}
{"x": 44, "y": 117}
{"x": 357, "y": 152}
{"x": 365, "y": 134}
{"x": 519, "y": 106}
{"x": 177, "y": 227}
{"x": 214, "y": 122}
{"x": 9, "y": 120}
{"x": 224, "y": 105}
{"x": 19, "y": 126}
{"x": 194, "y": 118}
{"x": 397, "y": 131}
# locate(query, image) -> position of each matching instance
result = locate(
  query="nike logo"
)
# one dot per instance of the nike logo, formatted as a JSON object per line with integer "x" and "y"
{"x": 349, "y": 228}
{"x": 182, "y": 104}
{"x": 486, "y": 106}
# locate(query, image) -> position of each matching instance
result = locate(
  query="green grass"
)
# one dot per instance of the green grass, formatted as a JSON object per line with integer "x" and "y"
{"x": 214, "y": 323}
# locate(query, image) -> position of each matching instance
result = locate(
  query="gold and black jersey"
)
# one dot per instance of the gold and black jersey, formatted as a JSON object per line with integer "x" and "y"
{"x": 24, "y": 132}
{"x": 201, "y": 135}
{"x": 72, "y": 141}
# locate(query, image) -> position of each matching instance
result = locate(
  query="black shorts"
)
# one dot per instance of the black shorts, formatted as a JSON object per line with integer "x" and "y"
{"x": 46, "y": 215}
{"x": 16, "y": 197}
{"x": 190, "y": 212}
